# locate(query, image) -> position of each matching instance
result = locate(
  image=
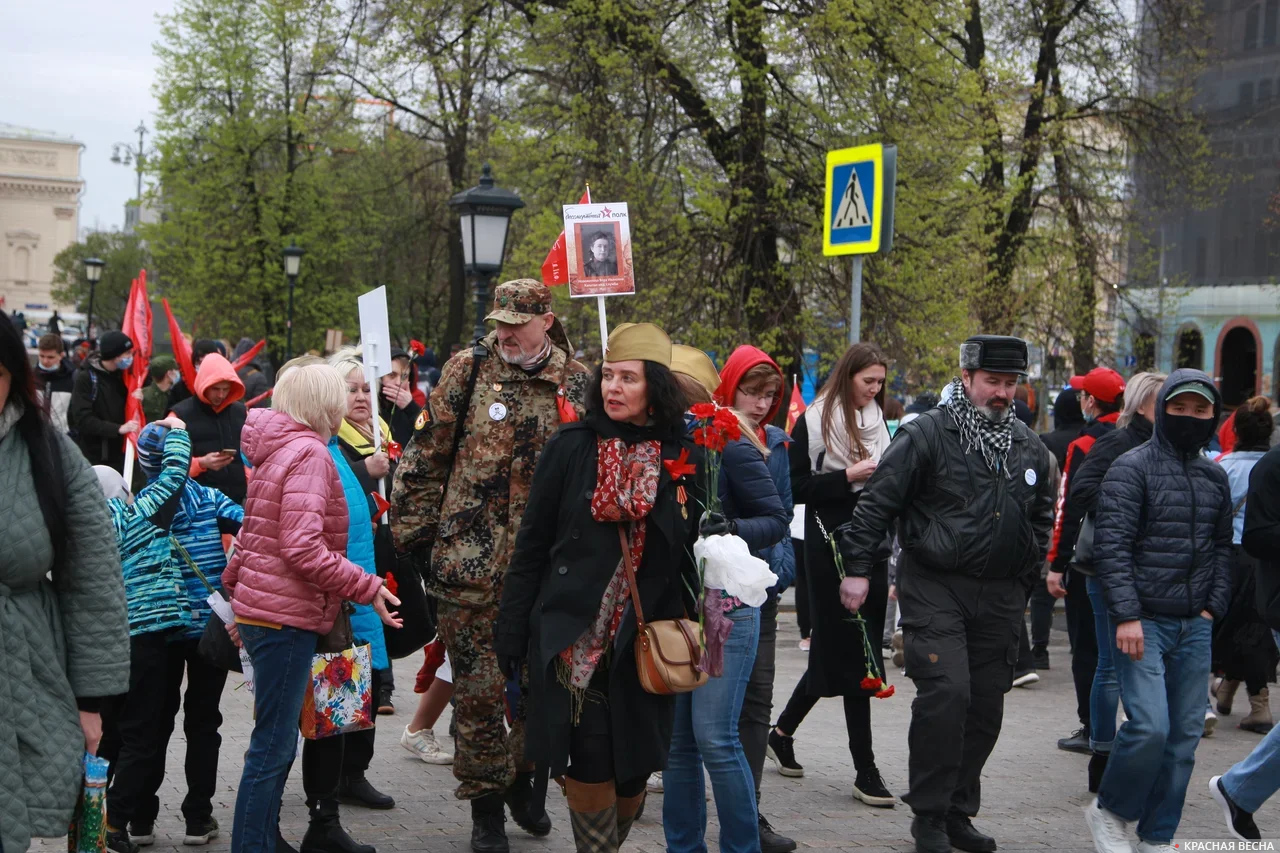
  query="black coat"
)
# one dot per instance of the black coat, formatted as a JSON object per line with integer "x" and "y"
{"x": 403, "y": 422}
{"x": 562, "y": 562}
{"x": 1262, "y": 533}
{"x": 96, "y": 413}
{"x": 954, "y": 514}
{"x": 1086, "y": 482}
{"x": 213, "y": 431}
{"x": 1162, "y": 528}
{"x": 837, "y": 662}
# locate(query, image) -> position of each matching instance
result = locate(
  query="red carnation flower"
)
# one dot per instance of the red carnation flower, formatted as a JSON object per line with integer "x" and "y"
{"x": 710, "y": 438}
{"x": 870, "y": 683}
{"x": 702, "y": 411}
{"x": 886, "y": 693}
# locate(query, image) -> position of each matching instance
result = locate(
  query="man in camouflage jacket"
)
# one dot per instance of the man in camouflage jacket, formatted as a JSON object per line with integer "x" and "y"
{"x": 526, "y": 384}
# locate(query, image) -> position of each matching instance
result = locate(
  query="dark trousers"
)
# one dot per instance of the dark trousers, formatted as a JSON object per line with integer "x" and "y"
{"x": 1041, "y": 614}
{"x": 960, "y": 639}
{"x": 1084, "y": 642}
{"x": 134, "y": 736}
{"x": 857, "y": 720}
{"x": 327, "y": 761}
{"x": 591, "y": 741}
{"x": 757, "y": 703}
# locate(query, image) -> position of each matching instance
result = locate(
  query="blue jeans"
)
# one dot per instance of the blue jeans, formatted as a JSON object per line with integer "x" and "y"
{"x": 706, "y": 730}
{"x": 1104, "y": 699}
{"x": 281, "y": 671}
{"x": 1155, "y": 750}
{"x": 1252, "y": 782}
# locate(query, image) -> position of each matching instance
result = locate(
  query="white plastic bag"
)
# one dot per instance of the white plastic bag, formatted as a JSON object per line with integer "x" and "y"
{"x": 730, "y": 566}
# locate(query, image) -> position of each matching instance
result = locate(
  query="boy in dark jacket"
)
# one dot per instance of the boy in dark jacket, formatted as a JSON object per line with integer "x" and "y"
{"x": 1162, "y": 546}
{"x": 96, "y": 411}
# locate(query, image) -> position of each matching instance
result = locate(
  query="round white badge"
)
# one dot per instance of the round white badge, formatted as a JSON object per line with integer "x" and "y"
{"x": 497, "y": 412}
{"x": 1030, "y": 477}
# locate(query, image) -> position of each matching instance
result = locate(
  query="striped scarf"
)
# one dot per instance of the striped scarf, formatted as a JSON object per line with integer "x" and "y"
{"x": 977, "y": 431}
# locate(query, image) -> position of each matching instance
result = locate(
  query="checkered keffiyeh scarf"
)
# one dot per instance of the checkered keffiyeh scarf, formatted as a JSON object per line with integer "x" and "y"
{"x": 976, "y": 431}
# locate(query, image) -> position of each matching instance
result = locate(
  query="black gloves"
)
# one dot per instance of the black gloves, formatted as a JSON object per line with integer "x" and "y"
{"x": 510, "y": 665}
{"x": 715, "y": 524}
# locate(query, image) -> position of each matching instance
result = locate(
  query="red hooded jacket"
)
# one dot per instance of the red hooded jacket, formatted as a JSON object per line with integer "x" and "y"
{"x": 739, "y": 364}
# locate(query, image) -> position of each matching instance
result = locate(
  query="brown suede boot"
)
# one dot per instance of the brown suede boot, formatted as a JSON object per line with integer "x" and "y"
{"x": 1224, "y": 694}
{"x": 593, "y": 812}
{"x": 628, "y": 811}
{"x": 1259, "y": 720}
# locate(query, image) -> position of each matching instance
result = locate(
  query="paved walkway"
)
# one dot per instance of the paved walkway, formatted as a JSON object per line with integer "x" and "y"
{"x": 1033, "y": 792}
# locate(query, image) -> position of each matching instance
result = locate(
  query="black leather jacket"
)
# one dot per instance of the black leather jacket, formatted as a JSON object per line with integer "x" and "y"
{"x": 954, "y": 514}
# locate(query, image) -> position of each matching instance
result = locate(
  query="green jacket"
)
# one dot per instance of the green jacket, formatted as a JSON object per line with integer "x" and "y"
{"x": 60, "y": 640}
{"x": 155, "y": 403}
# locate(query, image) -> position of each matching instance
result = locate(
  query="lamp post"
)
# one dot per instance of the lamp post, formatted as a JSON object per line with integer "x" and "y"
{"x": 93, "y": 274}
{"x": 124, "y": 154}
{"x": 484, "y": 212}
{"x": 292, "y": 262}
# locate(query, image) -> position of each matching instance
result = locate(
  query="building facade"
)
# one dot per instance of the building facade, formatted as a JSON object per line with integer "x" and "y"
{"x": 40, "y": 187}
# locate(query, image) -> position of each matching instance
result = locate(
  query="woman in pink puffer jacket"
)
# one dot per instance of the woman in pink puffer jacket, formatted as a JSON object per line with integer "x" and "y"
{"x": 288, "y": 578}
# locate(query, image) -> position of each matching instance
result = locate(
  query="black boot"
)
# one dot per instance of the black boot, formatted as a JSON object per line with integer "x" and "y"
{"x": 519, "y": 797}
{"x": 326, "y": 835}
{"x": 963, "y": 836}
{"x": 930, "y": 833}
{"x": 1097, "y": 766}
{"x": 356, "y": 791}
{"x": 488, "y": 825}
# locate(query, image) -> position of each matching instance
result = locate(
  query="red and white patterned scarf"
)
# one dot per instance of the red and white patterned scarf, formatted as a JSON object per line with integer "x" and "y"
{"x": 626, "y": 488}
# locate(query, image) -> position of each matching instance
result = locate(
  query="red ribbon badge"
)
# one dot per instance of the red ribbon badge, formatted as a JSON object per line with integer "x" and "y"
{"x": 678, "y": 468}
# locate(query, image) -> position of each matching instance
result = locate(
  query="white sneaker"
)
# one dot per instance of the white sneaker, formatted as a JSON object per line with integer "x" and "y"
{"x": 654, "y": 785}
{"x": 1210, "y": 722}
{"x": 1153, "y": 847}
{"x": 1110, "y": 833}
{"x": 804, "y": 644}
{"x": 1026, "y": 679}
{"x": 424, "y": 745}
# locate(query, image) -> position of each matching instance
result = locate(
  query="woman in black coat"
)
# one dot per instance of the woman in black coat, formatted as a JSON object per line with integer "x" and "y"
{"x": 834, "y": 450}
{"x": 564, "y": 602}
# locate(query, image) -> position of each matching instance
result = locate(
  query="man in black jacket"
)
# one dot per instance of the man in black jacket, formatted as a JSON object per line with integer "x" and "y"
{"x": 971, "y": 489}
{"x": 96, "y": 411}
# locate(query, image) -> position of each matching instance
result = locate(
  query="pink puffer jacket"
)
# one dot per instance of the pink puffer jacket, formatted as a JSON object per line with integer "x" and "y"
{"x": 289, "y": 566}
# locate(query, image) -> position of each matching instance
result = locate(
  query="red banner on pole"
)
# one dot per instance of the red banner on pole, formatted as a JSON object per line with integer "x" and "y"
{"x": 555, "y": 269}
{"x": 137, "y": 325}
{"x": 796, "y": 408}
{"x": 181, "y": 349}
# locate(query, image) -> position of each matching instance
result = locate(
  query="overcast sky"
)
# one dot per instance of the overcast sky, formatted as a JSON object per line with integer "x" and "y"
{"x": 83, "y": 68}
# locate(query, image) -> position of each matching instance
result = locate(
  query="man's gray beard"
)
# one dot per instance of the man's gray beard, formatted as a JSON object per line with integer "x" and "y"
{"x": 996, "y": 416}
{"x": 525, "y": 359}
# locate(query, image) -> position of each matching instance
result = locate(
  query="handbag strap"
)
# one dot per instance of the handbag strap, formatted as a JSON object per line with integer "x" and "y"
{"x": 631, "y": 578}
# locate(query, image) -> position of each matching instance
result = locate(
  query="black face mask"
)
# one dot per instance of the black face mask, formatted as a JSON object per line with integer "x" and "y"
{"x": 1188, "y": 434}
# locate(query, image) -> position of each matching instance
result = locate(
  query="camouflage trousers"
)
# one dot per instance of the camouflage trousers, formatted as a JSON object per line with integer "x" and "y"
{"x": 486, "y": 755}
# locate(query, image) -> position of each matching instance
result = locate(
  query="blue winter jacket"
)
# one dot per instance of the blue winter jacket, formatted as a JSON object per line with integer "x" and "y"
{"x": 204, "y": 514}
{"x": 365, "y": 624}
{"x": 1162, "y": 529}
{"x": 750, "y": 497}
{"x": 781, "y": 557}
{"x": 157, "y": 598}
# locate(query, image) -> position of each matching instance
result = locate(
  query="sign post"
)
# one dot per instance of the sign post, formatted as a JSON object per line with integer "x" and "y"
{"x": 598, "y": 249}
{"x": 858, "y": 215}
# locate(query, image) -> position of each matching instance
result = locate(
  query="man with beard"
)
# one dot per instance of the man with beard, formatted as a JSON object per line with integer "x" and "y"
{"x": 459, "y": 495}
{"x": 971, "y": 490}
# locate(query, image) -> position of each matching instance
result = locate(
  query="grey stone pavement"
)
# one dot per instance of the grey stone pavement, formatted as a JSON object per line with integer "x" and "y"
{"x": 1032, "y": 792}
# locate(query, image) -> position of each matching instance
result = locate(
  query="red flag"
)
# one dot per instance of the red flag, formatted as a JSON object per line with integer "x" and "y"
{"x": 243, "y": 361}
{"x": 137, "y": 325}
{"x": 555, "y": 269}
{"x": 796, "y": 407}
{"x": 181, "y": 349}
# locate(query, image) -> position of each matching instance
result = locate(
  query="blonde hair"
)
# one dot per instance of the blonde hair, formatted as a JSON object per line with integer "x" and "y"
{"x": 346, "y": 360}
{"x": 1138, "y": 391}
{"x": 297, "y": 361}
{"x": 314, "y": 395}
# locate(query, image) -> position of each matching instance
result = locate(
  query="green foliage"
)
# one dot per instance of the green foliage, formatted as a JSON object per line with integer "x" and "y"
{"x": 124, "y": 255}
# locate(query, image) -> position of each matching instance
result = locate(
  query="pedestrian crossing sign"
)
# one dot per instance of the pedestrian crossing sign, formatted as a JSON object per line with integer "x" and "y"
{"x": 859, "y": 207}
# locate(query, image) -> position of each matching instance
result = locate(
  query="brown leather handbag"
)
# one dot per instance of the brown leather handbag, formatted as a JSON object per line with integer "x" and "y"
{"x": 667, "y": 651}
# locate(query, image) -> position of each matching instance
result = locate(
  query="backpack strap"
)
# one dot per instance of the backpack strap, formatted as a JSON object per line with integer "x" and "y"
{"x": 478, "y": 354}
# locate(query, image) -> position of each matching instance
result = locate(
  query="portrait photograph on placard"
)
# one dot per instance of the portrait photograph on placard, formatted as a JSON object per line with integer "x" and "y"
{"x": 598, "y": 244}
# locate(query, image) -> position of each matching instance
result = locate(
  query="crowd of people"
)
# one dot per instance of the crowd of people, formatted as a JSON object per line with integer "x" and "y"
{"x": 536, "y": 519}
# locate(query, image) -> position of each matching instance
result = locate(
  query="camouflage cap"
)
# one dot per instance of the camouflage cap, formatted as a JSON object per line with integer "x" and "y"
{"x": 517, "y": 302}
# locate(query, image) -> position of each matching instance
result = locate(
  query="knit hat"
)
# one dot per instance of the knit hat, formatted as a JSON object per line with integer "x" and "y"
{"x": 114, "y": 345}
{"x": 151, "y": 448}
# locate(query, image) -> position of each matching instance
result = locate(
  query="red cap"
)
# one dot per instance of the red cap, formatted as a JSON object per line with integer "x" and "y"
{"x": 1101, "y": 382}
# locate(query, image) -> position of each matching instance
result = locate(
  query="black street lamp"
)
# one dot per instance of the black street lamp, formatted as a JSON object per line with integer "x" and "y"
{"x": 484, "y": 213}
{"x": 93, "y": 274}
{"x": 292, "y": 262}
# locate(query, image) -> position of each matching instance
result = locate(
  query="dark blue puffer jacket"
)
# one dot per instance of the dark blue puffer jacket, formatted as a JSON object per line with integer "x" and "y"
{"x": 1162, "y": 531}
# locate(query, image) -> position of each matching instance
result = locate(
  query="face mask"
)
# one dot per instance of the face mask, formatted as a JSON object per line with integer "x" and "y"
{"x": 174, "y": 376}
{"x": 124, "y": 362}
{"x": 1188, "y": 434}
{"x": 53, "y": 369}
